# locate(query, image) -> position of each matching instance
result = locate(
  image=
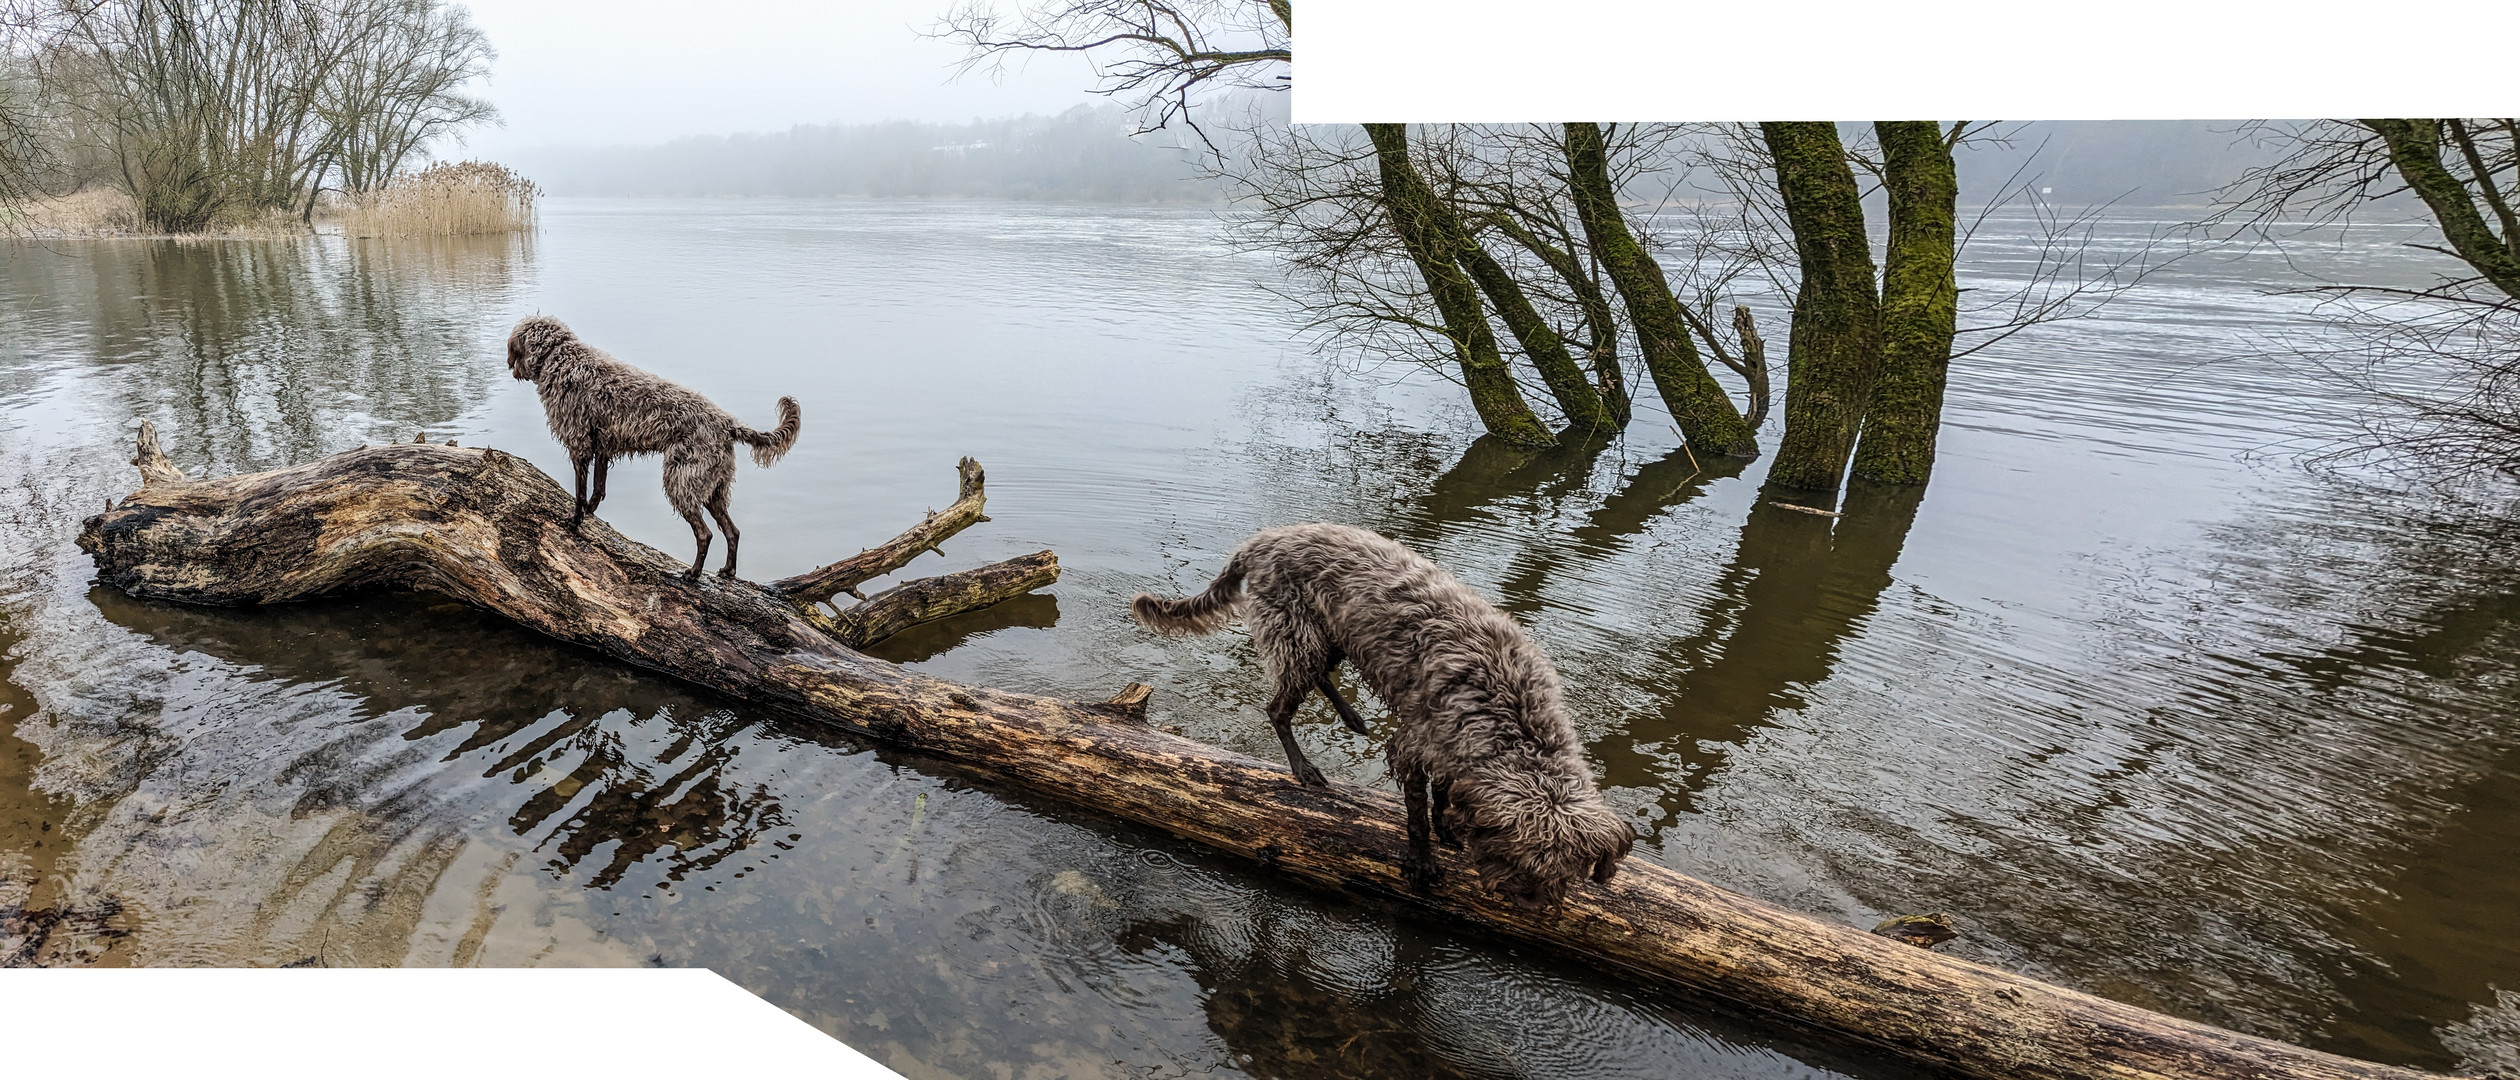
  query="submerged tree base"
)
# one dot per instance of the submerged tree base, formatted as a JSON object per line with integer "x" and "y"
{"x": 491, "y": 530}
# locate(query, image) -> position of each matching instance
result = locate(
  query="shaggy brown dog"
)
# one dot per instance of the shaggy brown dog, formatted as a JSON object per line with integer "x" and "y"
{"x": 1484, "y": 741}
{"x": 601, "y": 408}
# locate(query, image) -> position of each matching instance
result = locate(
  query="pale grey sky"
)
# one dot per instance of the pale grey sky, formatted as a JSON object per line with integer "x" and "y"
{"x": 579, "y": 73}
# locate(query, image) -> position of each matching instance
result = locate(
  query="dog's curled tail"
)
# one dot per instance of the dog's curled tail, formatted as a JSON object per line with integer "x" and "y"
{"x": 770, "y": 446}
{"x": 1205, "y": 613}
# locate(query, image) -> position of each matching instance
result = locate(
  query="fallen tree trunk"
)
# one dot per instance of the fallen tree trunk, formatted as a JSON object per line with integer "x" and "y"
{"x": 490, "y": 529}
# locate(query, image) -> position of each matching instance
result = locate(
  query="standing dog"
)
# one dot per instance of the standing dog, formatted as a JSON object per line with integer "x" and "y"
{"x": 601, "y": 408}
{"x": 1484, "y": 740}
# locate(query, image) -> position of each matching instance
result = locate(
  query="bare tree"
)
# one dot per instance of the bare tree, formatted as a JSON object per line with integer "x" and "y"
{"x": 1515, "y": 227}
{"x": 1430, "y": 233}
{"x": 401, "y": 90}
{"x": 2466, "y": 172}
{"x": 1160, "y": 57}
{"x": 1707, "y": 418}
{"x": 1486, "y": 201}
{"x": 213, "y": 109}
{"x": 24, "y": 159}
{"x": 1920, "y": 318}
{"x": 2442, "y": 362}
{"x": 2442, "y": 370}
{"x": 1405, "y": 243}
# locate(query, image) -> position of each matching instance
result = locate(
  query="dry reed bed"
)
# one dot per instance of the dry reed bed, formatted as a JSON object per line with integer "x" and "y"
{"x": 468, "y": 198}
{"x": 94, "y": 212}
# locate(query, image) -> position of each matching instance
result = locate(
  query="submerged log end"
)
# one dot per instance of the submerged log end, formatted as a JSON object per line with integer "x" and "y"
{"x": 929, "y": 599}
{"x": 1922, "y": 931}
{"x": 1130, "y": 703}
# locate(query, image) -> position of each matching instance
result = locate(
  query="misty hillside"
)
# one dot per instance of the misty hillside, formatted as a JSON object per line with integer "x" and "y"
{"x": 1088, "y": 154}
{"x": 1085, "y": 154}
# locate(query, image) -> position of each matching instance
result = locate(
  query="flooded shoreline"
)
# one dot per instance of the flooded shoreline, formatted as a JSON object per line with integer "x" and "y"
{"x": 2208, "y": 734}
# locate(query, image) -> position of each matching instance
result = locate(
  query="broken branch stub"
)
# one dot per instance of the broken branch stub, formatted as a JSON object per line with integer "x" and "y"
{"x": 815, "y": 586}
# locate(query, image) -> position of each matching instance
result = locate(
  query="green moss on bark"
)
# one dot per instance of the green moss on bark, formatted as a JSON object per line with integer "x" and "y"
{"x": 2415, "y": 148}
{"x": 1706, "y": 416}
{"x": 1414, "y": 214}
{"x": 1834, "y": 349}
{"x": 1920, "y": 298}
{"x": 1575, "y": 397}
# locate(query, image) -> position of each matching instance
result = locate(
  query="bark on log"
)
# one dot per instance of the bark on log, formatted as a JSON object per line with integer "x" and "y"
{"x": 815, "y": 586}
{"x": 490, "y": 529}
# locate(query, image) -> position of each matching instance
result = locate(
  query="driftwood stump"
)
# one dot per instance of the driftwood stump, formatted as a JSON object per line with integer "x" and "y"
{"x": 491, "y": 530}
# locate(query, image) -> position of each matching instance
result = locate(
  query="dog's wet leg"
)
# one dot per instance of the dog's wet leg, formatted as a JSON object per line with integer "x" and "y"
{"x": 1419, "y": 865}
{"x": 603, "y": 464}
{"x": 577, "y": 508}
{"x": 1442, "y": 791}
{"x": 1282, "y": 717}
{"x": 725, "y": 524}
{"x": 700, "y": 532}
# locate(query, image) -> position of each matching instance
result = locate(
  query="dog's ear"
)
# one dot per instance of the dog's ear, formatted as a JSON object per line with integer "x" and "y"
{"x": 522, "y": 360}
{"x": 533, "y": 339}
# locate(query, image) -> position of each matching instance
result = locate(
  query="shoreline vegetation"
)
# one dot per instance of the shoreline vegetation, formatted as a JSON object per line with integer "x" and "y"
{"x": 215, "y": 118}
{"x": 470, "y": 198}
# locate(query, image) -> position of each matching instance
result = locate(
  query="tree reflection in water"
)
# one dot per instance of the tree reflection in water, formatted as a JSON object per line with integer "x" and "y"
{"x": 530, "y": 712}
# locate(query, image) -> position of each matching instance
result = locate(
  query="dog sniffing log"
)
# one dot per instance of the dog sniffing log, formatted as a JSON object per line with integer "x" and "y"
{"x": 1485, "y": 748}
{"x": 600, "y": 409}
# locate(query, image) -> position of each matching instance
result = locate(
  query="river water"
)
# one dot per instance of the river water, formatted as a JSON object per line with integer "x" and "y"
{"x": 2147, "y": 708}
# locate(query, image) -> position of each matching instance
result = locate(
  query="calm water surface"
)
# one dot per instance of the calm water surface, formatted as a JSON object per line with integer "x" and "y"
{"x": 2149, "y": 711}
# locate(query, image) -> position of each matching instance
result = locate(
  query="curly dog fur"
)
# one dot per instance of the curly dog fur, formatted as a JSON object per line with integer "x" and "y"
{"x": 1485, "y": 748}
{"x": 601, "y": 408}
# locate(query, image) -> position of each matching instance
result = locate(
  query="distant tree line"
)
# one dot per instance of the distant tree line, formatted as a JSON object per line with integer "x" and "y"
{"x": 1086, "y": 154}
{"x": 211, "y": 110}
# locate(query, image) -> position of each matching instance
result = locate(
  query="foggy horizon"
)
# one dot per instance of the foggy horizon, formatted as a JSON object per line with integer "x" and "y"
{"x": 1084, "y": 152}
{"x": 635, "y": 99}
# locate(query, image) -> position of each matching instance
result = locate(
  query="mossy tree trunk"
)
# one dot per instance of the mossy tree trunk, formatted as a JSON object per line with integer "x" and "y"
{"x": 1707, "y": 418}
{"x": 1600, "y": 321}
{"x": 1834, "y": 349}
{"x": 1920, "y": 304}
{"x": 2415, "y": 148}
{"x": 1415, "y": 215}
{"x": 1582, "y": 405}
